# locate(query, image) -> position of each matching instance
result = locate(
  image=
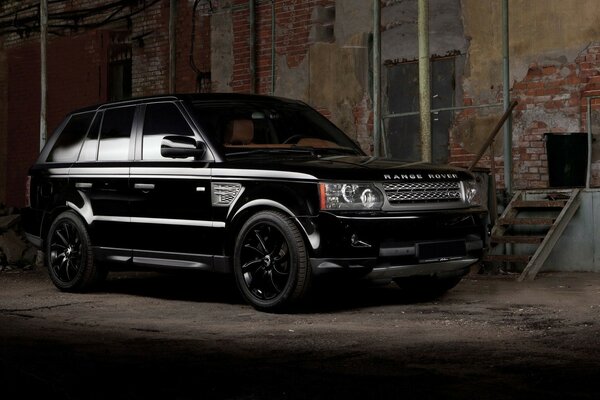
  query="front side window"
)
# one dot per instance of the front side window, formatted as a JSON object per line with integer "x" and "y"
{"x": 160, "y": 120}
{"x": 115, "y": 134}
{"x": 68, "y": 143}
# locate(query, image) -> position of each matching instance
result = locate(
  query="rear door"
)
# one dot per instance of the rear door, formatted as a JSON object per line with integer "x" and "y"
{"x": 101, "y": 176}
{"x": 171, "y": 203}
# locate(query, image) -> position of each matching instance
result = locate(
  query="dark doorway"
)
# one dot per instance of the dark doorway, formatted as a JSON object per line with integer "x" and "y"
{"x": 403, "y": 133}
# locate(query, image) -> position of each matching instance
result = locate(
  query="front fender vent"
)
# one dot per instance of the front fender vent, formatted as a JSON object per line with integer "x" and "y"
{"x": 224, "y": 194}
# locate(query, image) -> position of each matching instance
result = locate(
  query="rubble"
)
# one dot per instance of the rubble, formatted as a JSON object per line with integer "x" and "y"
{"x": 16, "y": 253}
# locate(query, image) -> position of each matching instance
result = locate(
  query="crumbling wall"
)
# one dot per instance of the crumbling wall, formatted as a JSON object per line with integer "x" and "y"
{"x": 553, "y": 68}
{"x": 321, "y": 56}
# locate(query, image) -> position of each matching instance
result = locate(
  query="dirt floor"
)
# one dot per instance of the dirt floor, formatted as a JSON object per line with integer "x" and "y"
{"x": 147, "y": 335}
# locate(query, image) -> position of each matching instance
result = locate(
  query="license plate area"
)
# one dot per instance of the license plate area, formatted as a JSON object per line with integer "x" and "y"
{"x": 441, "y": 251}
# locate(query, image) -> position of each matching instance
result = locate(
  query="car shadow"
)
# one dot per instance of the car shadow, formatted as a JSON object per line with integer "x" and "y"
{"x": 327, "y": 295}
{"x": 195, "y": 286}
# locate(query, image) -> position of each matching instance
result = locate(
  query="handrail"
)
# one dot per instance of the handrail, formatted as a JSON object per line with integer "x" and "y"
{"x": 493, "y": 134}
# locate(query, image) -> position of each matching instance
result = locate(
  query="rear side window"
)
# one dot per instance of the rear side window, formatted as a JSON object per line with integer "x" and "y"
{"x": 115, "y": 134}
{"x": 160, "y": 120}
{"x": 66, "y": 148}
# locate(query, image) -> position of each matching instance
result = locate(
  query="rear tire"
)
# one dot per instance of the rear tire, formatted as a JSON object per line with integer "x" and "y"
{"x": 271, "y": 264}
{"x": 69, "y": 258}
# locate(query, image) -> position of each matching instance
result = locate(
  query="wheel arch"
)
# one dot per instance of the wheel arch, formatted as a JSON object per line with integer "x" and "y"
{"x": 241, "y": 215}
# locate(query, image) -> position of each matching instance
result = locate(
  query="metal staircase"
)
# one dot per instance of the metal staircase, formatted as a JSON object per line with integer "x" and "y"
{"x": 530, "y": 226}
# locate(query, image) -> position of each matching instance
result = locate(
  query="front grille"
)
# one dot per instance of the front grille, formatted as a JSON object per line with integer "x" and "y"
{"x": 422, "y": 192}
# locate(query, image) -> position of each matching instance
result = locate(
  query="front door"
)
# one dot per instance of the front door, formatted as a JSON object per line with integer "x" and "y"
{"x": 171, "y": 203}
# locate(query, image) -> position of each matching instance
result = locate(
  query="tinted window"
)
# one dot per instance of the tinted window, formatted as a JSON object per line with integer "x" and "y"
{"x": 161, "y": 119}
{"x": 115, "y": 133}
{"x": 68, "y": 143}
{"x": 240, "y": 127}
{"x": 90, "y": 145}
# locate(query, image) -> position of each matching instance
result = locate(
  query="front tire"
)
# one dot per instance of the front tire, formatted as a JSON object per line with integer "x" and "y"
{"x": 69, "y": 255}
{"x": 271, "y": 263}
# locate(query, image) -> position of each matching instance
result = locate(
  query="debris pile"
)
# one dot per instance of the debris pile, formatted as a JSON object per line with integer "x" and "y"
{"x": 16, "y": 253}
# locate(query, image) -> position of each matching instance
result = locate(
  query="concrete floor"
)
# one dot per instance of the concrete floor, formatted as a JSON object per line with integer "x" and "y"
{"x": 146, "y": 335}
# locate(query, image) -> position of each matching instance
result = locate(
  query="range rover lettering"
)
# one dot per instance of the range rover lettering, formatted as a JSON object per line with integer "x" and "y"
{"x": 263, "y": 188}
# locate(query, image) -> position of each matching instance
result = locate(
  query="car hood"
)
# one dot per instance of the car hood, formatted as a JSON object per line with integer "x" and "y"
{"x": 355, "y": 168}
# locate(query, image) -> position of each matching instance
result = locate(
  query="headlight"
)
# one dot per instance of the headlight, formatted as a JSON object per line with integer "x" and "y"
{"x": 472, "y": 195}
{"x": 350, "y": 196}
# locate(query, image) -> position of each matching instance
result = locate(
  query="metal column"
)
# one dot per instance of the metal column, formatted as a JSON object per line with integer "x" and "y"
{"x": 506, "y": 100}
{"x": 424, "y": 81}
{"x": 377, "y": 78}
{"x": 43, "y": 71}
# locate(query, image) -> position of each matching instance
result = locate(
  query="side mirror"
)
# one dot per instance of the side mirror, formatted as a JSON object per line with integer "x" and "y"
{"x": 181, "y": 147}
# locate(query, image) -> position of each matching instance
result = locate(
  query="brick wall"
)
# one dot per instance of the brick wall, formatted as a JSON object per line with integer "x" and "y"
{"x": 76, "y": 78}
{"x": 552, "y": 99}
{"x": 293, "y": 23}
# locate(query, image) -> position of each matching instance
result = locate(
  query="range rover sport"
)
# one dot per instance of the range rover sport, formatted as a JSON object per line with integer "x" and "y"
{"x": 264, "y": 188}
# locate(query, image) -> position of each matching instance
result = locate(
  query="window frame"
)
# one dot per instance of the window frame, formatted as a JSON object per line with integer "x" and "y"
{"x": 139, "y": 135}
{"x": 52, "y": 142}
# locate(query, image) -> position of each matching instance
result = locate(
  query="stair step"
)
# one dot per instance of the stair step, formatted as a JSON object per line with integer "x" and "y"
{"x": 507, "y": 258}
{"x": 540, "y": 203}
{"x": 526, "y": 221}
{"x": 527, "y": 239}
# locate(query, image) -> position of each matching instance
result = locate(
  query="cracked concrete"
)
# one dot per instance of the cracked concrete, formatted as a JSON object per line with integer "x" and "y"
{"x": 147, "y": 335}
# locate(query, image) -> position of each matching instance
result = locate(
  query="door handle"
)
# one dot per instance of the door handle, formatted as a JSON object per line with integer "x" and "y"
{"x": 144, "y": 186}
{"x": 83, "y": 185}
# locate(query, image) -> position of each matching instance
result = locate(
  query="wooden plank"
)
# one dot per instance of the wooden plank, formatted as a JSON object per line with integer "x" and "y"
{"x": 520, "y": 258}
{"x": 540, "y": 204}
{"x": 526, "y": 221}
{"x": 526, "y": 239}
{"x": 509, "y": 212}
{"x": 542, "y": 253}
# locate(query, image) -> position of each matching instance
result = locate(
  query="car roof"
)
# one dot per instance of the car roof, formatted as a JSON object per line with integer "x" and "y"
{"x": 190, "y": 97}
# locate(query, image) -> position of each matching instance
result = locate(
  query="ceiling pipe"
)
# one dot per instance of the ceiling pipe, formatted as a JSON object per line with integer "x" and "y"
{"x": 424, "y": 80}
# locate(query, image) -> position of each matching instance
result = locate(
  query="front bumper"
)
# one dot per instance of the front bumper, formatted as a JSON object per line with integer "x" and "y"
{"x": 441, "y": 243}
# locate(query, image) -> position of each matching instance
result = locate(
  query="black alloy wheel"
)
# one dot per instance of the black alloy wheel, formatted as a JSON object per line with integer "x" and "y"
{"x": 270, "y": 262}
{"x": 69, "y": 255}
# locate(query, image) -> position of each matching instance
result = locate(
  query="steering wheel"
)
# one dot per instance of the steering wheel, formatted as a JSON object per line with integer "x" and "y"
{"x": 293, "y": 139}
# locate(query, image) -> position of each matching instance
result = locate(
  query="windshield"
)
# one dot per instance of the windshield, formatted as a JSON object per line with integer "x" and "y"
{"x": 244, "y": 127}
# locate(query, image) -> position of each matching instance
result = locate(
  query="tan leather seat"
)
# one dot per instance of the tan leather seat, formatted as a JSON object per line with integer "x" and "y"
{"x": 239, "y": 132}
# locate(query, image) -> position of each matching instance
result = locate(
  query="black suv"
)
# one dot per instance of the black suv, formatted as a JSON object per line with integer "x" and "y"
{"x": 264, "y": 188}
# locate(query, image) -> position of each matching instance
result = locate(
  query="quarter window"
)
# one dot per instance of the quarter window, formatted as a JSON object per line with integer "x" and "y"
{"x": 90, "y": 145}
{"x": 161, "y": 119}
{"x": 68, "y": 143}
{"x": 115, "y": 134}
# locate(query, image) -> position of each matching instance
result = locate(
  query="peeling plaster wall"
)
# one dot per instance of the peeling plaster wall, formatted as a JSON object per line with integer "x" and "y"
{"x": 334, "y": 84}
{"x": 222, "y": 58}
{"x": 549, "y": 32}
{"x": 554, "y": 66}
{"x": 399, "y": 29}
{"x": 322, "y": 57}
